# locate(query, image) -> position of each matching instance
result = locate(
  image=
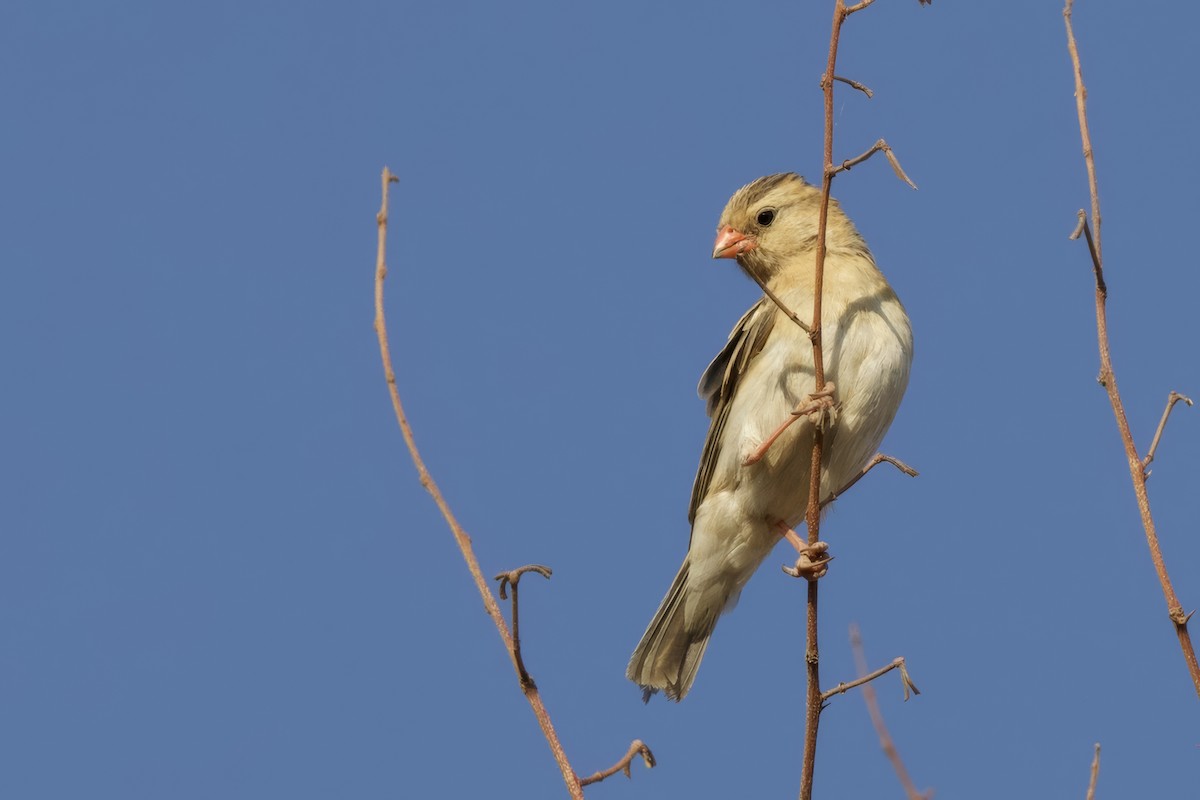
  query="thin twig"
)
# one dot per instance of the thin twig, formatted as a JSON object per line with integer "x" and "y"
{"x": 885, "y": 738}
{"x": 1108, "y": 378}
{"x": 513, "y": 578}
{"x": 864, "y": 89}
{"x": 879, "y": 147}
{"x": 897, "y": 663}
{"x": 460, "y": 536}
{"x": 1173, "y": 398}
{"x": 792, "y": 315}
{"x": 637, "y": 748}
{"x": 1091, "y": 792}
{"x": 878, "y": 459}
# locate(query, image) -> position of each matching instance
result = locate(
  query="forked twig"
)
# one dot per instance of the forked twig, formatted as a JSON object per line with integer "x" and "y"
{"x": 511, "y": 579}
{"x": 1108, "y": 380}
{"x": 879, "y": 147}
{"x": 885, "y": 738}
{"x": 460, "y": 536}
{"x": 637, "y": 748}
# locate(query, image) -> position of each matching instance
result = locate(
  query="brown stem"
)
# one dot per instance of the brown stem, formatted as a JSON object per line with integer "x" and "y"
{"x": 460, "y": 536}
{"x": 637, "y": 748}
{"x": 1091, "y": 792}
{"x": 885, "y": 738}
{"x": 1108, "y": 378}
{"x": 812, "y": 516}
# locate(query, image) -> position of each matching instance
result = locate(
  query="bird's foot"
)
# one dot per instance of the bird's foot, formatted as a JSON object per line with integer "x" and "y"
{"x": 818, "y": 406}
{"x": 813, "y": 560}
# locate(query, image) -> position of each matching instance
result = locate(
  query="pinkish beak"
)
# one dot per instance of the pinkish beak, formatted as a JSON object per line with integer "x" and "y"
{"x": 732, "y": 243}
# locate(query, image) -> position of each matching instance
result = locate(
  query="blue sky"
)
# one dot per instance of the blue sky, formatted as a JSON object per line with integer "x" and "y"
{"x": 218, "y": 574}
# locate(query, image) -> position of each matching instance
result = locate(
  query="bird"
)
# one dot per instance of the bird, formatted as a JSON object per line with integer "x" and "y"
{"x": 740, "y": 504}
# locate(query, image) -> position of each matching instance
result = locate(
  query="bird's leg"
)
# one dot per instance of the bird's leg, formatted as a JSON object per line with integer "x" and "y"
{"x": 813, "y": 560}
{"x": 819, "y": 406}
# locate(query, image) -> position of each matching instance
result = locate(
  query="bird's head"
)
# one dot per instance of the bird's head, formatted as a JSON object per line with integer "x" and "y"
{"x": 772, "y": 223}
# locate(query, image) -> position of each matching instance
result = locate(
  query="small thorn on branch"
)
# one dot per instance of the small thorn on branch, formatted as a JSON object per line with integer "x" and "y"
{"x": 637, "y": 748}
{"x": 1173, "y": 398}
{"x": 511, "y": 579}
{"x": 879, "y": 147}
{"x": 864, "y": 89}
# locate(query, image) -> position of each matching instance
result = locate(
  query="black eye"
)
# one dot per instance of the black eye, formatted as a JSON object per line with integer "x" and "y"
{"x": 766, "y": 217}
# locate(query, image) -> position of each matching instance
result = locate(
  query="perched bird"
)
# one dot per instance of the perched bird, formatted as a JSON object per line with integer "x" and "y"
{"x": 739, "y": 510}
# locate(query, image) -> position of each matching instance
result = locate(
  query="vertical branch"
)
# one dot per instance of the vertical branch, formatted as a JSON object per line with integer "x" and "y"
{"x": 1108, "y": 379}
{"x": 460, "y": 536}
{"x": 812, "y": 516}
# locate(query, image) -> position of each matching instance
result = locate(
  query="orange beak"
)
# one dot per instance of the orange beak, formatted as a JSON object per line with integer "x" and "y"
{"x": 731, "y": 243}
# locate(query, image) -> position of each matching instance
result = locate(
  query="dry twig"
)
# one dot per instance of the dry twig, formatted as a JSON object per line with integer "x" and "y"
{"x": 878, "y": 459}
{"x": 1108, "y": 379}
{"x": 460, "y": 536}
{"x": 1172, "y": 399}
{"x": 855, "y": 84}
{"x": 1091, "y": 792}
{"x": 886, "y": 149}
{"x": 885, "y": 738}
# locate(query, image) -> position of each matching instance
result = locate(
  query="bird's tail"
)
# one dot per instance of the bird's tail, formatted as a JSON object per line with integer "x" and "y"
{"x": 671, "y": 648}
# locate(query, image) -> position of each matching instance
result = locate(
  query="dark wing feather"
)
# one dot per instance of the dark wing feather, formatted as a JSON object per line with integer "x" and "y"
{"x": 719, "y": 382}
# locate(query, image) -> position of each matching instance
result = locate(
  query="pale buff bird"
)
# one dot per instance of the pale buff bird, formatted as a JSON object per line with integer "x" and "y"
{"x": 763, "y": 373}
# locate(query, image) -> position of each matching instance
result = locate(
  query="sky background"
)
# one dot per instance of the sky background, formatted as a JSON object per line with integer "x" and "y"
{"x": 219, "y": 577}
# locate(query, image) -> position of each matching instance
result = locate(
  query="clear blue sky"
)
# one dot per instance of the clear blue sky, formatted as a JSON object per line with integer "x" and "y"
{"x": 218, "y": 574}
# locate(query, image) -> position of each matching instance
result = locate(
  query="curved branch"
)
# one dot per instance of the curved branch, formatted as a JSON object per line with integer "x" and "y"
{"x": 1108, "y": 378}
{"x": 460, "y": 536}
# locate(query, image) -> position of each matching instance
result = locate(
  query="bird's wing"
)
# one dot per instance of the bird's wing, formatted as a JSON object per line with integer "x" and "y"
{"x": 719, "y": 383}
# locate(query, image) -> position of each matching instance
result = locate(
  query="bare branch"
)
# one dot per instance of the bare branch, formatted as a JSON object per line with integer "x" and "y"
{"x": 460, "y": 535}
{"x": 513, "y": 578}
{"x": 885, "y": 738}
{"x": 1173, "y": 398}
{"x": 637, "y": 748}
{"x": 880, "y": 146}
{"x": 1108, "y": 379}
{"x": 1091, "y": 792}
{"x": 865, "y": 90}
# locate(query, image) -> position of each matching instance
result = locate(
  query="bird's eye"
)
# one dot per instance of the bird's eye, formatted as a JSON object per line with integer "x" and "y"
{"x": 766, "y": 217}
